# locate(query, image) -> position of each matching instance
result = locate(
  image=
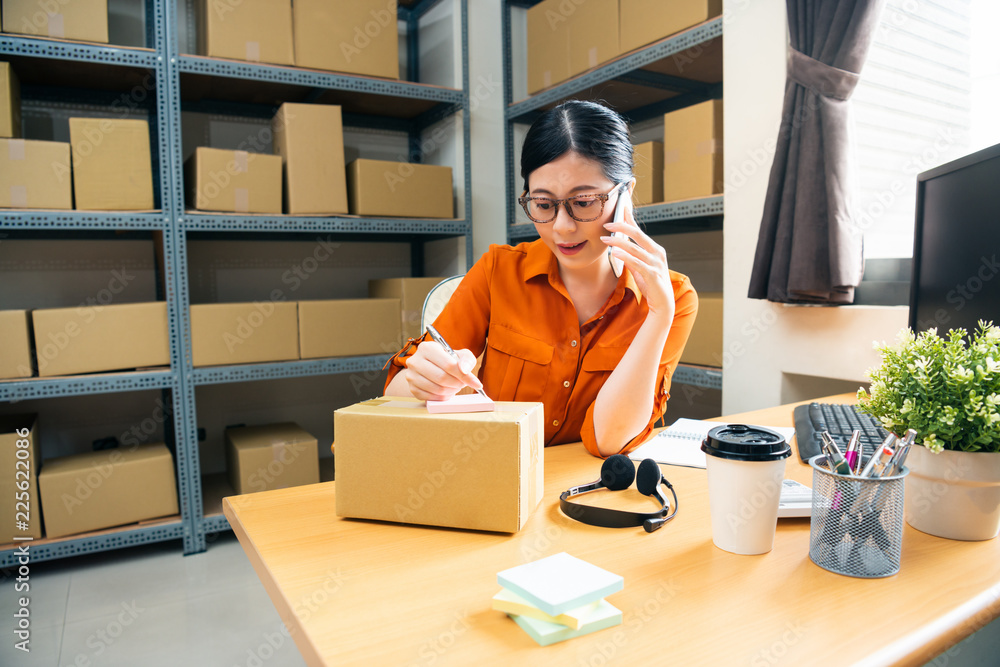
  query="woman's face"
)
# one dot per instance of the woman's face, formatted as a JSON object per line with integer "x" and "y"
{"x": 576, "y": 245}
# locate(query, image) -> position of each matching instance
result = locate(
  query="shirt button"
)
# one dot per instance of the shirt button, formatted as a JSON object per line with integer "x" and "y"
{"x": 572, "y": 343}
{"x": 565, "y": 383}
{"x": 555, "y": 422}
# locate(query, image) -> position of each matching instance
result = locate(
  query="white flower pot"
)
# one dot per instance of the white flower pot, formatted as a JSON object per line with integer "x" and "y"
{"x": 953, "y": 494}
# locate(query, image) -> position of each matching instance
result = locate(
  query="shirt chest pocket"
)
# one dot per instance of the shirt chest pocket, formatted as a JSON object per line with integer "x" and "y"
{"x": 517, "y": 364}
{"x": 603, "y": 359}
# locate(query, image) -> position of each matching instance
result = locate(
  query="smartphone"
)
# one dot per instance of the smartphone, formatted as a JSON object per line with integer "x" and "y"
{"x": 618, "y": 265}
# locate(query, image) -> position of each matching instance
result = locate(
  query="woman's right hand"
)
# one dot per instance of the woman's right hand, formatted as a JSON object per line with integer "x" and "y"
{"x": 434, "y": 375}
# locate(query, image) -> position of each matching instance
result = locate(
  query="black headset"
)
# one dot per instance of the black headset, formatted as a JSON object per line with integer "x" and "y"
{"x": 617, "y": 474}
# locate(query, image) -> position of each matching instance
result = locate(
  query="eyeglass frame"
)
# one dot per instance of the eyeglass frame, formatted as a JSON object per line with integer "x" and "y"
{"x": 603, "y": 198}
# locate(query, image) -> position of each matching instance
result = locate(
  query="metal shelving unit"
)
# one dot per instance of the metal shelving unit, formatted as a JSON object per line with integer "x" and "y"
{"x": 669, "y": 74}
{"x": 189, "y": 82}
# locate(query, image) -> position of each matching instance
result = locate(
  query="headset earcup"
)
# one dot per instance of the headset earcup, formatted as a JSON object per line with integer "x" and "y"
{"x": 648, "y": 477}
{"x": 617, "y": 472}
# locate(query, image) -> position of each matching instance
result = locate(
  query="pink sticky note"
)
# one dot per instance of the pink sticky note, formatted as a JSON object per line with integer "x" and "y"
{"x": 461, "y": 403}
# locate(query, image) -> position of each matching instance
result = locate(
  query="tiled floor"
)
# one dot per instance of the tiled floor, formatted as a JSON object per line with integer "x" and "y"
{"x": 150, "y": 607}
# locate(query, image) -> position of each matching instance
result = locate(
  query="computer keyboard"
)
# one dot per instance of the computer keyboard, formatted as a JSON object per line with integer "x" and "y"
{"x": 839, "y": 421}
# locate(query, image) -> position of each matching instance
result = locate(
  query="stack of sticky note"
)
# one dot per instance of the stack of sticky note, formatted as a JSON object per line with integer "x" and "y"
{"x": 559, "y": 597}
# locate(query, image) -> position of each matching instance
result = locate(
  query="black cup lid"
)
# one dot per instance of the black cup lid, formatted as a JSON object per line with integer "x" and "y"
{"x": 740, "y": 442}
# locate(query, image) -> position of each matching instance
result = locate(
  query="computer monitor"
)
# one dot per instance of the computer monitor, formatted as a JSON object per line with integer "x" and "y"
{"x": 956, "y": 244}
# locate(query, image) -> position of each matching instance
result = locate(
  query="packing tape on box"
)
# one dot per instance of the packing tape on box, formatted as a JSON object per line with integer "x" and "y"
{"x": 253, "y": 51}
{"x": 706, "y": 147}
{"x": 15, "y": 149}
{"x": 241, "y": 160}
{"x": 592, "y": 56}
{"x": 670, "y": 157}
{"x": 277, "y": 449}
{"x": 57, "y": 26}
{"x": 19, "y": 196}
{"x": 241, "y": 198}
{"x": 546, "y": 78}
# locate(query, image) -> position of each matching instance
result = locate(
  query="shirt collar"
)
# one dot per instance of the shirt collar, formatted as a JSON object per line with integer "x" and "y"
{"x": 541, "y": 262}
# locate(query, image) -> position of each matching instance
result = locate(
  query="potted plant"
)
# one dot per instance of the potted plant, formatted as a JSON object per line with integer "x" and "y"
{"x": 948, "y": 390}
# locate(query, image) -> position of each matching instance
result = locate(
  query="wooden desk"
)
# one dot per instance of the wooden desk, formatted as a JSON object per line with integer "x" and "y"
{"x": 358, "y": 591}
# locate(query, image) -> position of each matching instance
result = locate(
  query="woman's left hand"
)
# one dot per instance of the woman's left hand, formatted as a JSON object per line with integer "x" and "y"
{"x": 646, "y": 259}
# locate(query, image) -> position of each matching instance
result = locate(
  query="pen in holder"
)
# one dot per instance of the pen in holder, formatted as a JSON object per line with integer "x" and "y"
{"x": 856, "y": 527}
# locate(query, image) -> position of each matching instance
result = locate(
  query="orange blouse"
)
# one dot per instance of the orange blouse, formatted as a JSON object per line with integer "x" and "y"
{"x": 514, "y": 304}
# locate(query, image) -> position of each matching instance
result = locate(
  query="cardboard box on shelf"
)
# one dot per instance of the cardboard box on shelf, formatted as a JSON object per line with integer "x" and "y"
{"x": 10, "y": 102}
{"x": 348, "y": 327}
{"x": 19, "y": 433}
{"x": 400, "y": 189}
{"x": 35, "y": 174}
{"x": 233, "y": 181}
{"x": 548, "y": 46}
{"x": 15, "y": 352}
{"x": 112, "y": 168}
{"x": 252, "y": 30}
{"x": 476, "y": 470}
{"x": 704, "y": 346}
{"x": 648, "y": 173}
{"x": 310, "y": 140}
{"x": 692, "y": 151}
{"x": 593, "y": 34}
{"x": 92, "y": 339}
{"x": 78, "y": 20}
{"x": 271, "y": 456}
{"x": 244, "y": 333}
{"x": 411, "y": 293}
{"x": 357, "y": 37}
{"x": 107, "y": 488}
{"x": 646, "y": 21}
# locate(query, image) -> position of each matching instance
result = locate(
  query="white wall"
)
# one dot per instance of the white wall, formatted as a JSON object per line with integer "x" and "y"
{"x": 764, "y": 341}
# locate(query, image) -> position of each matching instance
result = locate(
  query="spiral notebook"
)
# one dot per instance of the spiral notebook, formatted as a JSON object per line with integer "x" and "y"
{"x": 680, "y": 443}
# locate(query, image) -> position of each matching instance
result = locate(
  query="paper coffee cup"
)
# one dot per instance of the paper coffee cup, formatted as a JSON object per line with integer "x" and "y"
{"x": 745, "y": 466}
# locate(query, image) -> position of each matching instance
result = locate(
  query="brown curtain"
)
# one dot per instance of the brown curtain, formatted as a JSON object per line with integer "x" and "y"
{"x": 809, "y": 248}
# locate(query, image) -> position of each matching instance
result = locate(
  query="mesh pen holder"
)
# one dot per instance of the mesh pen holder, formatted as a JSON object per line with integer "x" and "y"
{"x": 856, "y": 527}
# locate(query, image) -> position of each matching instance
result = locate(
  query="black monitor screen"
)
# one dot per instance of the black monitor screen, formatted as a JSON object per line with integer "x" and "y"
{"x": 956, "y": 247}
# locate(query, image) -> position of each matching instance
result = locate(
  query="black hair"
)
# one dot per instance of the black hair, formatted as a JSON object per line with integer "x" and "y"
{"x": 588, "y": 128}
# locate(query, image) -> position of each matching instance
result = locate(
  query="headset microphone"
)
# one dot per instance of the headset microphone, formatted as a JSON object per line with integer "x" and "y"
{"x": 617, "y": 474}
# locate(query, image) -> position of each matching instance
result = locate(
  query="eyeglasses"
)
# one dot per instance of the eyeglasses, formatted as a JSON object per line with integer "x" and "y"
{"x": 582, "y": 208}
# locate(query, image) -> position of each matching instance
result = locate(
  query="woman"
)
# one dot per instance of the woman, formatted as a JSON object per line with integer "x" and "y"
{"x": 556, "y": 323}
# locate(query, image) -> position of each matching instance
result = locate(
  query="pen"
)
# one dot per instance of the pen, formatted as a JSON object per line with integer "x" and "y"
{"x": 896, "y": 463}
{"x": 853, "y": 453}
{"x": 447, "y": 348}
{"x": 879, "y": 461}
{"x": 834, "y": 458}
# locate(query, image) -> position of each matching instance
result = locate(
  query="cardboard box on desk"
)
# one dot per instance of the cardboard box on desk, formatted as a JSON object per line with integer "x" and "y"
{"x": 15, "y": 350}
{"x": 233, "y": 181}
{"x": 704, "y": 346}
{"x": 310, "y": 140}
{"x": 35, "y": 174}
{"x": 78, "y": 20}
{"x": 646, "y": 21}
{"x": 252, "y": 30}
{"x": 356, "y": 37}
{"x": 411, "y": 293}
{"x": 648, "y": 173}
{"x": 481, "y": 471}
{"x": 18, "y": 430}
{"x": 692, "y": 151}
{"x": 399, "y": 189}
{"x": 112, "y": 168}
{"x": 91, "y": 339}
{"x": 244, "y": 333}
{"x": 548, "y": 46}
{"x": 348, "y": 327}
{"x": 107, "y": 488}
{"x": 271, "y": 456}
{"x": 10, "y": 102}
